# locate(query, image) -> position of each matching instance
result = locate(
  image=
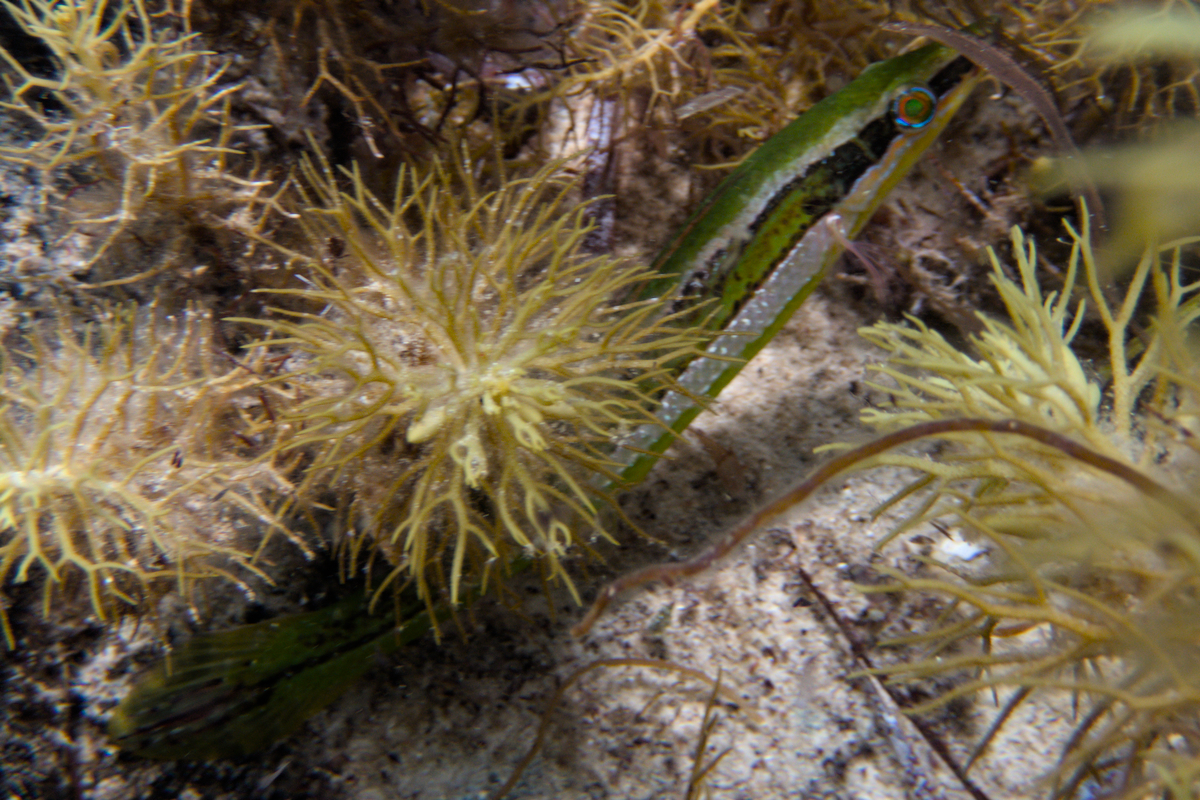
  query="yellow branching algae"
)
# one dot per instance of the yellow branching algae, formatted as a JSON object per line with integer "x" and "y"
{"x": 138, "y": 113}
{"x": 1090, "y": 586}
{"x": 119, "y": 466}
{"x": 465, "y": 369}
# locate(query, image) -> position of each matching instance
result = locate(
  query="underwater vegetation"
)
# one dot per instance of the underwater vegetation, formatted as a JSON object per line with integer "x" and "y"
{"x": 1077, "y": 489}
{"x": 1119, "y": 56}
{"x": 135, "y": 119}
{"x": 119, "y": 463}
{"x": 1089, "y": 586}
{"x": 470, "y": 366}
{"x": 381, "y": 81}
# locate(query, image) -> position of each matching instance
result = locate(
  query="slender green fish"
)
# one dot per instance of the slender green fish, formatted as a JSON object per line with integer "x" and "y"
{"x": 759, "y": 245}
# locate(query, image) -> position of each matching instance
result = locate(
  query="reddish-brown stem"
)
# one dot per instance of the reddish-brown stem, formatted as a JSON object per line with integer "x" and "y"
{"x": 671, "y": 573}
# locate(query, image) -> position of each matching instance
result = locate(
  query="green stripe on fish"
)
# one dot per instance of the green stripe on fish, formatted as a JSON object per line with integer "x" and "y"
{"x": 759, "y": 245}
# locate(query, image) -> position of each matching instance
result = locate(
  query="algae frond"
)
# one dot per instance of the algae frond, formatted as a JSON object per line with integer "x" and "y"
{"x": 135, "y": 116}
{"x": 465, "y": 369}
{"x": 108, "y": 435}
{"x": 1089, "y": 584}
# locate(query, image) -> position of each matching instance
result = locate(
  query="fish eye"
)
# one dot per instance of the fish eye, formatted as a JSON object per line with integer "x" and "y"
{"x": 913, "y": 107}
